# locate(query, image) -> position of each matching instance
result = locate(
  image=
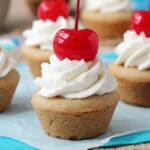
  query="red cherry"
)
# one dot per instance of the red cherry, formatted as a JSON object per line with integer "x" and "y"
{"x": 76, "y": 44}
{"x": 52, "y": 9}
{"x": 140, "y": 22}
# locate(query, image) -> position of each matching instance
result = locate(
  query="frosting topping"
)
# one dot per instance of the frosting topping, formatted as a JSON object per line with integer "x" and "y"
{"x": 107, "y": 6}
{"x": 74, "y": 79}
{"x": 6, "y": 63}
{"x": 134, "y": 51}
{"x": 43, "y": 32}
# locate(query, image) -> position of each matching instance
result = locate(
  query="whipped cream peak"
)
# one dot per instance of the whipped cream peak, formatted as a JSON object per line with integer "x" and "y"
{"x": 134, "y": 51}
{"x": 74, "y": 79}
{"x": 42, "y": 32}
{"x": 108, "y": 6}
{"x": 6, "y": 63}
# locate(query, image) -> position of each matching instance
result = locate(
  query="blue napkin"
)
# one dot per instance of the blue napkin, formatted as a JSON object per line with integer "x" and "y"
{"x": 141, "y": 4}
{"x": 108, "y": 57}
{"x": 128, "y": 139}
{"x": 12, "y": 144}
{"x": 9, "y": 43}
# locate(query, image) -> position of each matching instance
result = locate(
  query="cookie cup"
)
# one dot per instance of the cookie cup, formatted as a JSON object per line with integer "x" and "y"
{"x": 8, "y": 85}
{"x": 34, "y": 57}
{"x": 75, "y": 118}
{"x": 109, "y": 26}
{"x": 133, "y": 85}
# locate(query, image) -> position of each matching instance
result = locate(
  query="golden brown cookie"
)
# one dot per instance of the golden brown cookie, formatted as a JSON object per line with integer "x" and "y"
{"x": 34, "y": 58}
{"x": 8, "y": 85}
{"x": 75, "y": 118}
{"x": 109, "y": 26}
{"x": 134, "y": 85}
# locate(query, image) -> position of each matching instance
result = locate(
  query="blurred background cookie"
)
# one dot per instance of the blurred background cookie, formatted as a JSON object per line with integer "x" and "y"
{"x": 4, "y": 4}
{"x": 33, "y": 4}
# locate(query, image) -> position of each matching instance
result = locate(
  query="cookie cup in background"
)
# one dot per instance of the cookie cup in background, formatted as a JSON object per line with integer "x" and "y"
{"x": 68, "y": 110}
{"x": 34, "y": 56}
{"x": 33, "y": 4}
{"x": 109, "y": 26}
{"x": 8, "y": 85}
{"x": 38, "y": 44}
{"x": 133, "y": 85}
{"x": 4, "y": 6}
{"x": 75, "y": 118}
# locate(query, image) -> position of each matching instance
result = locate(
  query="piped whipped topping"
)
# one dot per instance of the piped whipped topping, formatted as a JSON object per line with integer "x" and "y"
{"x": 74, "y": 79}
{"x": 6, "y": 63}
{"x": 42, "y": 32}
{"x": 108, "y": 6}
{"x": 134, "y": 51}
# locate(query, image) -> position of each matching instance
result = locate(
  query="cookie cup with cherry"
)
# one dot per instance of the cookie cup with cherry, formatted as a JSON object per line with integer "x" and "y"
{"x": 37, "y": 48}
{"x": 132, "y": 68}
{"x": 77, "y": 95}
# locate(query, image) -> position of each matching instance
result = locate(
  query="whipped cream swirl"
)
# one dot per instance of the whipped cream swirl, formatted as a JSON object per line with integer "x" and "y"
{"x": 108, "y": 6}
{"x": 134, "y": 51}
{"x": 42, "y": 32}
{"x": 6, "y": 63}
{"x": 74, "y": 79}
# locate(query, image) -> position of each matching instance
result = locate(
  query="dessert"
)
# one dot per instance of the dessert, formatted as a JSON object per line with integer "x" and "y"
{"x": 109, "y": 19}
{"x": 77, "y": 95}
{"x": 132, "y": 68}
{"x": 54, "y": 15}
{"x": 9, "y": 78}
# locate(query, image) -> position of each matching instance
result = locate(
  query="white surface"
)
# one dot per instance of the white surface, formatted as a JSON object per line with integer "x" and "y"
{"x": 20, "y": 121}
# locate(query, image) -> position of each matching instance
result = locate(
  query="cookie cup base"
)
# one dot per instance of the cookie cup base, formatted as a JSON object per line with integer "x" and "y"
{"x": 133, "y": 85}
{"x": 8, "y": 85}
{"x": 75, "y": 118}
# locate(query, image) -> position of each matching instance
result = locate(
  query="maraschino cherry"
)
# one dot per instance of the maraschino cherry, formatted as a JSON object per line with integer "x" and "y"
{"x": 140, "y": 22}
{"x": 52, "y": 9}
{"x": 76, "y": 44}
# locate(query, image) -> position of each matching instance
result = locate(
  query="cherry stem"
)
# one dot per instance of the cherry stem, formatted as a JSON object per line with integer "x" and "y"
{"x": 77, "y": 14}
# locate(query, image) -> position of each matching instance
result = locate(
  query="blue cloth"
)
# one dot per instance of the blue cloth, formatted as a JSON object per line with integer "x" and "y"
{"x": 16, "y": 41}
{"x": 10, "y": 44}
{"x": 12, "y": 144}
{"x": 108, "y": 57}
{"x": 141, "y": 4}
{"x": 129, "y": 139}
